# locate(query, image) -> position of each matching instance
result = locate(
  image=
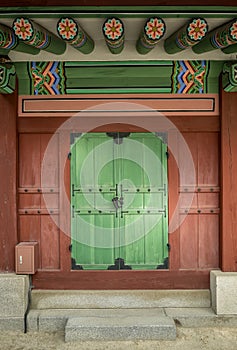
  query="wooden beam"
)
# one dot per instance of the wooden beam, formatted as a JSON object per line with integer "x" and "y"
{"x": 218, "y": 38}
{"x": 230, "y": 49}
{"x": 152, "y": 32}
{"x": 8, "y": 171}
{"x": 133, "y": 106}
{"x": 10, "y": 42}
{"x": 125, "y": 279}
{"x": 229, "y": 182}
{"x": 70, "y": 31}
{"x": 37, "y": 37}
{"x": 184, "y": 124}
{"x": 188, "y": 35}
{"x": 113, "y": 30}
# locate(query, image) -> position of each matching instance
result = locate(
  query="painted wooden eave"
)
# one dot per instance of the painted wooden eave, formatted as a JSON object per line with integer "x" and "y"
{"x": 133, "y": 28}
{"x": 117, "y": 3}
{"x": 92, "y": 18}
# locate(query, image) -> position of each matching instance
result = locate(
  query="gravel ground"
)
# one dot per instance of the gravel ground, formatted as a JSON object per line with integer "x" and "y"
{"x": 187, "y": 338}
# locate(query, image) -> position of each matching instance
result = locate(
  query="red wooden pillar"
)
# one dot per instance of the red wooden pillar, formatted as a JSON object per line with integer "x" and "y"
{"x": 229, "y": 181}
{"x": 8, "y": 181}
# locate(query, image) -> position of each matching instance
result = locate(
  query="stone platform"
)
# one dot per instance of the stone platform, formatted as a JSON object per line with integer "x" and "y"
{"x": 116, "y": 314}
{"x": 129, "y": 324}
{"x": 14, "y": 291}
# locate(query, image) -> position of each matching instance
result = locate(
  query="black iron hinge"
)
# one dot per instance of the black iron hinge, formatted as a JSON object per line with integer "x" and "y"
{"x": 164, "y": 266}
{"x": 119, "y": 264}
{"x": 75, "y": 266}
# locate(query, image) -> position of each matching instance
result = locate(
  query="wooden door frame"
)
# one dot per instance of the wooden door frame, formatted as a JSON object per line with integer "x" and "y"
{"x": 42, "y": 115}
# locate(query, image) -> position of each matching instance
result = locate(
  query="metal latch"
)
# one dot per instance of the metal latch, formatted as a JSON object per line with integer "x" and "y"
{"x": 117, "y": 202}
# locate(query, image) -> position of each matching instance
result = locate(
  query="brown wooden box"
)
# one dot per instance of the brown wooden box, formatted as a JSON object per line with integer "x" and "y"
{"x": 26, "y": 257}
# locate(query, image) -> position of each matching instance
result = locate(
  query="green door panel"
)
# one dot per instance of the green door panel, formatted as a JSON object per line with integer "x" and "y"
{"x": 119, "y": 201}
{"x": 149, "y": 246}
{"x": 89, "y": 254}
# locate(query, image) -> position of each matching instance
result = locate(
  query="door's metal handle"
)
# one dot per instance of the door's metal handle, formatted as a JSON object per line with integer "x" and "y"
{"x": 117, "y": 202}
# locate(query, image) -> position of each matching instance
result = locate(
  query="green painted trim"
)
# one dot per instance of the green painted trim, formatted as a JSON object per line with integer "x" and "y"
{"x": 230, "y": 49}
{"x": 229, "y": 77}
{"x": 115, "y": 73}
{"x": 56, "y": 78}
{"x": 122, "y": 11}
{"x": 120, "y": 91}
{"x": 105, "y": 267}
{"x": 118, "y": 63}
{"x": 118, "y": 78}
{"x": 190, "y": 77}
{"x": 213, "y": 81}
{"x": 4, "y": 52}
{"x": 7, "y": 78}
{"x": 21, "y": 47}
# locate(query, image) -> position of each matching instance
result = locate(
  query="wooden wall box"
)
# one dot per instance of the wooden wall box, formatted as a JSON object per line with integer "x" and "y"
{"x": 26, "y": 255}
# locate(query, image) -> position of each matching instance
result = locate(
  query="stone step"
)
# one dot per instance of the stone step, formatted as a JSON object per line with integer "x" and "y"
{"x": 200, "y": 317}
{"x": 54, "y": 320}
{"x": 122, "y": 324}
{"x": 103, "y": 299}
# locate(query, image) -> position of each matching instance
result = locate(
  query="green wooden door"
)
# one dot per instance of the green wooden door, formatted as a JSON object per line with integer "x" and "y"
{"x": 119, "y": 201}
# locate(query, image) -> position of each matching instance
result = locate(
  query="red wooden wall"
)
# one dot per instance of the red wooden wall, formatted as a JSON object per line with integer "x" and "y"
{"x": 195, "y": 244}
{"x": 199, "y": 233}
{"x": 35, "y": 222}
{"x": 8, "y": 181}
{"x": 229, "y": 182}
